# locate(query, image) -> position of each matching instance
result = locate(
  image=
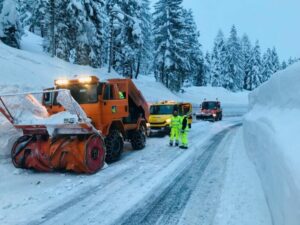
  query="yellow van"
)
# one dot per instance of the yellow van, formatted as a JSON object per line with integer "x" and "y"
{"x": 162, "y": 112}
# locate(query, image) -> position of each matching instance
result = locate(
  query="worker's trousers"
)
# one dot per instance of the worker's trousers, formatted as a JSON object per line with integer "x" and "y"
{"x": 174, "y": 135}
{"x": 184, "y": 138}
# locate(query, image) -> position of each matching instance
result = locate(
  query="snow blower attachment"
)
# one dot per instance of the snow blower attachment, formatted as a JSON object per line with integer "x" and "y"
{"x": 64, "y": 141}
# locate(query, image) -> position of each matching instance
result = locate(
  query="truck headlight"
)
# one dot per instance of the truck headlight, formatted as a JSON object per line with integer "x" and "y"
{"x": 85, "y": 80}
{"x": 62, "y": 82}
{"x": 168, "y": 120}
{"x": 214, "y": 115}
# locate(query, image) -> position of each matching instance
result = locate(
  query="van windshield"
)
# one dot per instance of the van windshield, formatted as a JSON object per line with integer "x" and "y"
{"x": 162, "y": 109}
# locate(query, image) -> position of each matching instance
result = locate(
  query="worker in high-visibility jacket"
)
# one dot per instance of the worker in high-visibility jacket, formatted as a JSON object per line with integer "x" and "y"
{"x": 121, "y": 95}
{"x": 175, "y": 128}
{"x": 184, "y": 132}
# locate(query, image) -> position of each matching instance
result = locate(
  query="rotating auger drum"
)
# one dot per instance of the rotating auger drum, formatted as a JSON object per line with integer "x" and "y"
{"x": 70, "y": 143}
{"x": 73, "y": 153}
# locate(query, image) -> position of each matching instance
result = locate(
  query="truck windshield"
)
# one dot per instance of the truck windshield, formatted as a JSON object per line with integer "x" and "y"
{"x": 162, "y": 109}
{"x": 84, "y": 94}
{"x": 209, "y": 105}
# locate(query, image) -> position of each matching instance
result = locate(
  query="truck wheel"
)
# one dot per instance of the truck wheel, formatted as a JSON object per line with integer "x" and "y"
{"x": 94, "y": 153}
{"x": 138, "y": 140}
{"x": 114, "y": 146}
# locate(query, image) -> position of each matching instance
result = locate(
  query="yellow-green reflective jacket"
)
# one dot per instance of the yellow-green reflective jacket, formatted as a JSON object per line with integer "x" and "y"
{"x": 175, "y": 122}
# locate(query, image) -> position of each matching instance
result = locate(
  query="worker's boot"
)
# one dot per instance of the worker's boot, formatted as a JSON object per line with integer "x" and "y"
{"x": 177, "y": 144}
{"x": 183, "y": 147}
{"x": 171, "y": 143}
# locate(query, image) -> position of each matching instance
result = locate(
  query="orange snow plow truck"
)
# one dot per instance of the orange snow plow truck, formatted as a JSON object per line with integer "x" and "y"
{"x": 80, "y": 123}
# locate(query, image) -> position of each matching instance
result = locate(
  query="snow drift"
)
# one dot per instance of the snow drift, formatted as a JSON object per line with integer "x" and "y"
{"x": 271, "y": 132}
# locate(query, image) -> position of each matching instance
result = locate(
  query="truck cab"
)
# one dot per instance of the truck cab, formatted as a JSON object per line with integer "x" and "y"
{"x": 210, "y": 111}
{"x": 116, "y": 108}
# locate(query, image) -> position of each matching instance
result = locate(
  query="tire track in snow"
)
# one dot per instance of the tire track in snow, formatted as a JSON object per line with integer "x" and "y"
{"x": 169, "y": 206}
{"x": 94, "y": 190}
{"x": 83, "y": 202}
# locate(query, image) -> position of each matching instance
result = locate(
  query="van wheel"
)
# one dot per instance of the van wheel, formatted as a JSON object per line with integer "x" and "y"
{"x": 114, "y": 146}
{"x": 138, "y": 140}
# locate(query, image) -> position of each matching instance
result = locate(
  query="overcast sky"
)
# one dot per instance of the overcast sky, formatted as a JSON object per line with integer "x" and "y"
{"x": 272, "y": 22}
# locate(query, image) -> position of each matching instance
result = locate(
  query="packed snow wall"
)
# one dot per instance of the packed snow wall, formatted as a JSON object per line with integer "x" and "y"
{"x": 272, "y": 138}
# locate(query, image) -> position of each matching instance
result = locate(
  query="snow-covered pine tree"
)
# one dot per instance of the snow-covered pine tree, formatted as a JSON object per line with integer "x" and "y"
{"x": 247, "y": 54}
{"x": 194, "y": 55}
{"x": 38, "y": 19}
{"x": 284, "y": 65}
{"x": 55, "y": 24}
{"x": 270, "y": 64}
{"x": 115, "y": 29}
{"x": 131, "y": 37}
{"x": 129, "y": 23}
{"x": 275, "y": 61}
{"x": 253, "y": 79}
{"x": 26, "y": 8}
{"x": 146, "y": 51}
{"x": 58, "y": 40}
{"x": 267, "y": 65}
{"x": 75, "y": 31}
{"x": 234, "y": 78}
{"x": 10, "y": 25}
{"x": 170, "y": 58}
{"x": 137, "y": 37}
{"x": 95, "y": 29}
{"x": 291, "y": 60}
{"x": 218, "y": 57}
{"x": 207, "y": 69}
{"x": 1, "y": 5}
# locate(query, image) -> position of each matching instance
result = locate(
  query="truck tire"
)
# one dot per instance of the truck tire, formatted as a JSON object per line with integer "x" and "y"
{"x": 114, "y": 146}
{"x": 138, "y": 140}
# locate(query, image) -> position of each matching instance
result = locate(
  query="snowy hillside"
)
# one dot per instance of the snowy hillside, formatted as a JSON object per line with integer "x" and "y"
{"x": 30, "y": 68}
{"x": 271, "y": 132}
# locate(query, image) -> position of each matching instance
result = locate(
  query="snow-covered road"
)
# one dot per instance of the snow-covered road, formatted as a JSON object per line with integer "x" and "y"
{"x": 211, "y": 183}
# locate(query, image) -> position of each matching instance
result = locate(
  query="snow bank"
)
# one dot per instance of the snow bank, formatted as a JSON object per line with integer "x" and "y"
{"x": 8, "y": 136}
{"x": 271, "y": 132}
